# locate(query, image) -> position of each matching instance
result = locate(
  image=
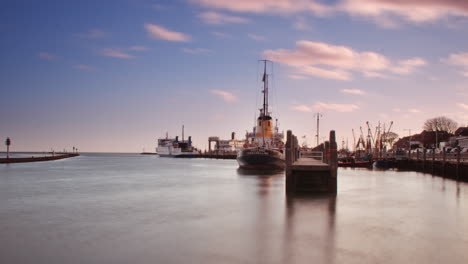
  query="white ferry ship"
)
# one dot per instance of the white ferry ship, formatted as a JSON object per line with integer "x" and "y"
{"x": 172, "y": 147}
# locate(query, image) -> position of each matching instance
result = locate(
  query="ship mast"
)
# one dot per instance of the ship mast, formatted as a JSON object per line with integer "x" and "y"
{"x": 265, "y": 99}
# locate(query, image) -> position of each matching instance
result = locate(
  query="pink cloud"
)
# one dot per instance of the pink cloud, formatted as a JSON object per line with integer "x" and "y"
{"x": 159, "y": 32}
{"x": 336, "y": 107}
{"x": 408, "y": 66}
{"x": 301, "y": 108}
{"x": 256, "y": 37}
{"x": 353, "y": 91}
{"x": 266, "y": 6}
{"x": 196, "y": 50}
{"x": 458, "y": 59}
{"x": 47, "y": 55}
{"x": 226, "y": 96}
{"x": 463, "y": 106}
{"x": 416, "y": 11}
{"x": 297, "y": 77}
{"x": 216, "y": 18}
{"x": 336, "y": 62}
{"x": 335, "y": 74}
{"x": 221, "y": 35}
{"x": 387, "y": 13}
{"x": 116, "y": 53}
{"x": 138, "y": 48}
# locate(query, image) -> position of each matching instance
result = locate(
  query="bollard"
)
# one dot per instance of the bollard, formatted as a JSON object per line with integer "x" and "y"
{"x": 333, "y": 162}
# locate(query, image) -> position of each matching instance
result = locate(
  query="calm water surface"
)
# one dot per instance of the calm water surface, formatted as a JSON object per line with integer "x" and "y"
{"x": 116, "y": 208}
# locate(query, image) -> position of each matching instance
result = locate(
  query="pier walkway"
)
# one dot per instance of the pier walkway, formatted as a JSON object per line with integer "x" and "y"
{"x": 311, "y": 172}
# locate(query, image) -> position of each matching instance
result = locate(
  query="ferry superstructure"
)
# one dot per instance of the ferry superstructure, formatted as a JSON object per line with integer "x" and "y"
{"x": 172, "y": 147}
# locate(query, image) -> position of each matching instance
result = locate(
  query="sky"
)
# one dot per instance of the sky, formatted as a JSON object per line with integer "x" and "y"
{"x": 114, "y": 76}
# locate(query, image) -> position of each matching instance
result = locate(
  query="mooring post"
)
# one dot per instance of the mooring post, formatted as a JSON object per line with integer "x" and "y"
{"x": 333, "y": 163}
{"x": 433, "y": 160}
{"x": 326, "y": 152}
{"x": 444, "y": 159}
{"x": 458, "y": 164}
{"x": 289, "y": 162}
{"x": 417, "y": 154}
{"x": 424, "y": 159}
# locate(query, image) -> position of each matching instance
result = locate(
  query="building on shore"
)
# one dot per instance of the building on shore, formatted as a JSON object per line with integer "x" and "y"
{"x": 225, "y": 145}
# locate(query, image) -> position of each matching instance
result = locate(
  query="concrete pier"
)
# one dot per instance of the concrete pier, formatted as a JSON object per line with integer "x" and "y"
{"x": 313, "y": 172}
{"x": 35, "y": 159}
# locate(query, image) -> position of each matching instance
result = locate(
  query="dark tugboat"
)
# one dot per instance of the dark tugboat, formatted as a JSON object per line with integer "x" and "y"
{"x": 263, "y": 148}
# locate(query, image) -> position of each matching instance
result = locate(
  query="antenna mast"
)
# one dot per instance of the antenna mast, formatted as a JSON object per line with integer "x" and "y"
{"x": 318, "y": 115}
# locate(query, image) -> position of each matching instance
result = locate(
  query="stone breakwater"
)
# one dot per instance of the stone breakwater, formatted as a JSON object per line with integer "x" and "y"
{"x": 35, "y": 159}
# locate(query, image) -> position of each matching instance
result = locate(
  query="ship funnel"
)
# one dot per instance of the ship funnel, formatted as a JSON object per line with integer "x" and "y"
{"x": 233, "y": 135}
{"x": 190, "y": 140}
{"x": 177, "y": 139}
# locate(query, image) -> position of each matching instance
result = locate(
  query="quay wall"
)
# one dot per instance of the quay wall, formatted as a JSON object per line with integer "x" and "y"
{"x": 450, "y": 170}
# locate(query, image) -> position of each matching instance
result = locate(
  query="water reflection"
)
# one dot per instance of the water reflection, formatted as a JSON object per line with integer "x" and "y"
{"x": 313, "y": 216}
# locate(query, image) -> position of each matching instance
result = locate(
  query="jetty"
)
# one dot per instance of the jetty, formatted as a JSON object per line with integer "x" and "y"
{"x": 312, "y": 171}
{"x": 448, "y": 165}
{"x": 58, "y": 156}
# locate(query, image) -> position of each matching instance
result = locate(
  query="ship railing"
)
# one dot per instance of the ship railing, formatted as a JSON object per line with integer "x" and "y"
{"x": 316, "y": 155}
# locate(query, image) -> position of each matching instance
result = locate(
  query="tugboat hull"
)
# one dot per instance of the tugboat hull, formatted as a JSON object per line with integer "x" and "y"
{"x": 260, "y": 159}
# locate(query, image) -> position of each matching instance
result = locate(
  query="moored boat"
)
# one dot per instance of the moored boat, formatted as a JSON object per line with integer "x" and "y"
{"x": 263, "y": 148}
{"x": 173, "y": 148}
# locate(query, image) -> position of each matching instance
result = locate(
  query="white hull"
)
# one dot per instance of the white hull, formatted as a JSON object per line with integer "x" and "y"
{"x": 172, "y": 152}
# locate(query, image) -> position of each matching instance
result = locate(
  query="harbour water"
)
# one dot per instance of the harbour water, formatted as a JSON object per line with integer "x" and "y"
{"x": 125, "y": 208}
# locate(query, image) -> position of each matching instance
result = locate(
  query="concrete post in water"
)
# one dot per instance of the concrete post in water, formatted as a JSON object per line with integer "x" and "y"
{"x": 458, "y": 164}
{"x": 326, "y": 152}
{"x": 444, "y": 159}
{"x": 289, "y": 148}
{"x": 289, "y": 162}
{"x": 424, "y": 159}
{"x": 333, "y": 162}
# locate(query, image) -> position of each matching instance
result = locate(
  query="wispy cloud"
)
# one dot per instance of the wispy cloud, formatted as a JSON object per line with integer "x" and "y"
{"x": 353, "y": 91}
{"x": 216, "y": 18}
{"x": 301, "y": 108}
{"x": 138, "y": 48}
{"x": 386, "y": 13}
{"x": 408, "y": 66}
{"x": 297, "y": 77}
{"x": 414, "y": 111}
{"x": 47, "y": 55}
{"x": 116, "y": 53}
{"x": 256, "y": 37}
{"x": 338, "y": 62}
{"x": 93, "y": 34}
{"x": 458, "y": 59}
{"x": 301, "y": 24}
{"x": 463, "y": 106}
{"x": 159, "y": 32}
{"x": 221, "y": 35}
{"x": 335, "y": 74}
{"x": 83, "y": 67}
{"x": 226, "y": 96}
{"x": 342, "y": 108}
{"x": 196, "y": 50}
{"x": 267, "y": 6}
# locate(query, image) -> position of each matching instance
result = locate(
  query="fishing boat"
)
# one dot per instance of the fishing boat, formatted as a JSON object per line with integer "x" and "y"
{"x": 264, "y": 146}
{"x": 173, "y": 148}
